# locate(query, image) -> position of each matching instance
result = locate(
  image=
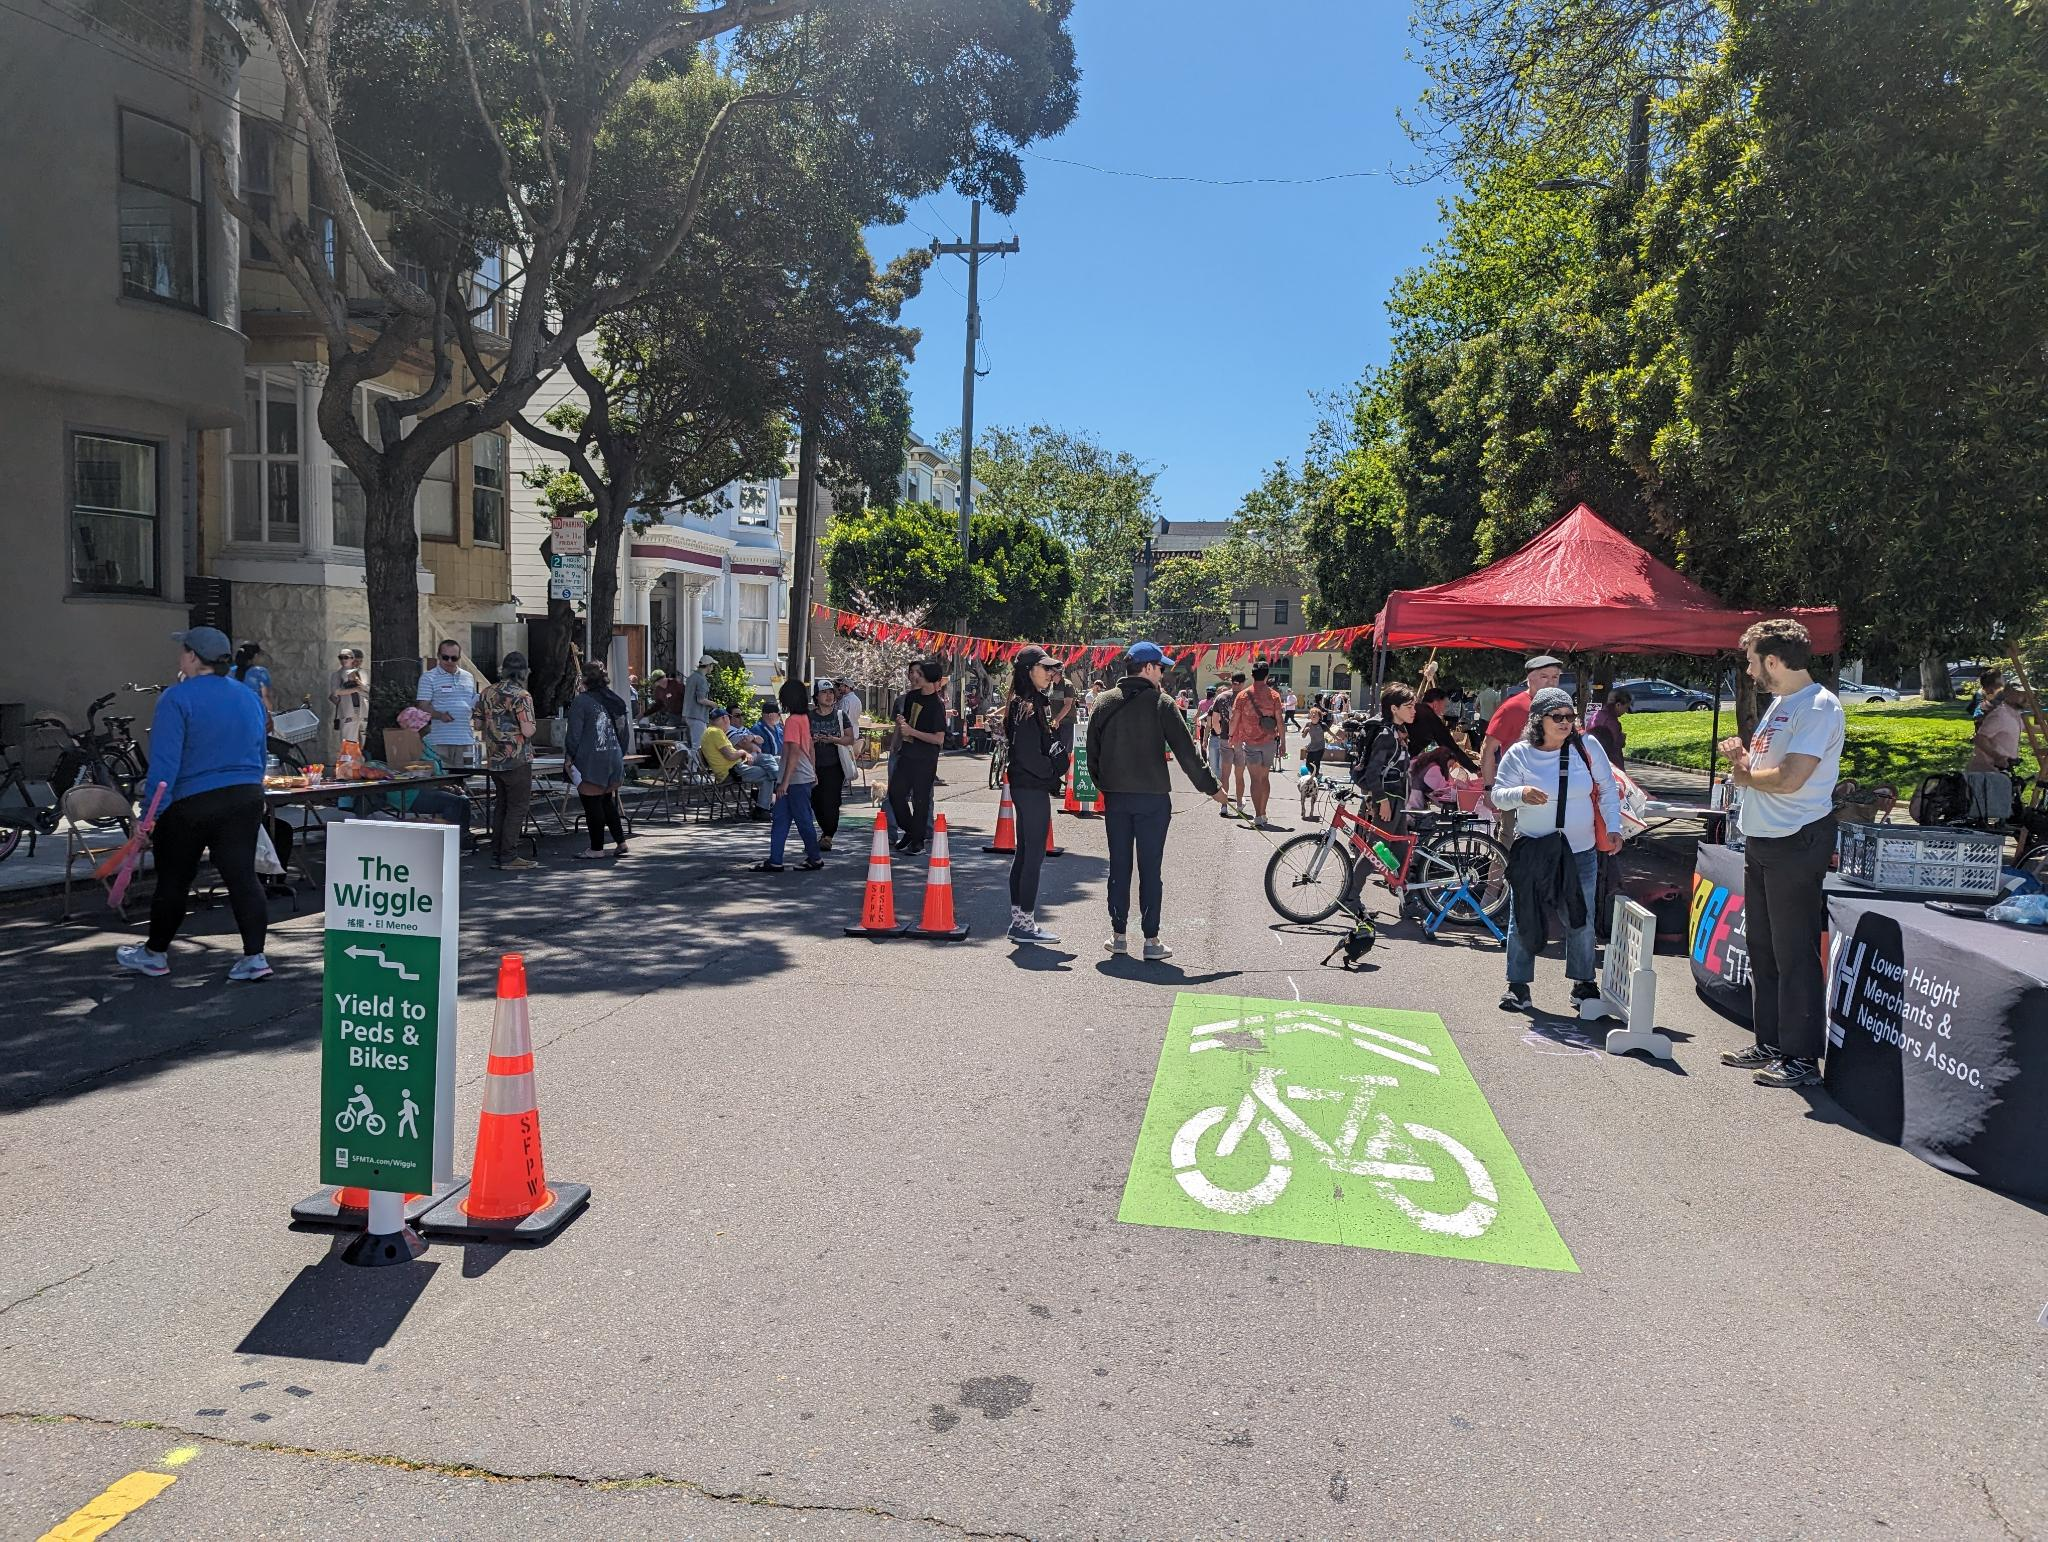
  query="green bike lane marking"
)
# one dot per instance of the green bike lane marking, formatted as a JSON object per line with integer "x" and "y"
{"x": 1321, "y": 1123}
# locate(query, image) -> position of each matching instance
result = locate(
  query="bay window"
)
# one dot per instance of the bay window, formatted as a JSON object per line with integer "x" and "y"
{"x": 264, "y": 461}
{"x": 162, "y": 213}
{"x": 114, "y": 492}
{"x": 753, "y": 620}
{"x": 487, "y": 490}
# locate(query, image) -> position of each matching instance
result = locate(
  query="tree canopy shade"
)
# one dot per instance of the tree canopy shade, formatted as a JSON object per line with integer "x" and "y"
{"x": 1580, "y": 584}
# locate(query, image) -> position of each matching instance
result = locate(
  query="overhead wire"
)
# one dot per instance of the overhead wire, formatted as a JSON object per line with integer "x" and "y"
{"x": 1160, "y": 176}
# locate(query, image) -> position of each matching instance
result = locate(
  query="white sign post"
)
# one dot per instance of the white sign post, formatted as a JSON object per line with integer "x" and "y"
{"x": 387, "y": 1043}
{"x": 1628, "y": 984}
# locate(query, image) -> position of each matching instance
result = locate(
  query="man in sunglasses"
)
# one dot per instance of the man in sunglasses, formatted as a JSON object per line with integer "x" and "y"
{"x": 448, "y": 694}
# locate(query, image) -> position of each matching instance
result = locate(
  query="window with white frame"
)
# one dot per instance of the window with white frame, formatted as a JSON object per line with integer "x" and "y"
{"x": 351, "y": 509}
{"x": 259, "y": 178}
{"x": 162, "y": 213}
{"x": 1247, "y": 614}
{"x": 753, "y": 619}
{"x": 437, "y": 498}
{"x": 263, "y": 461}
{"x": 114, "y": 493}
{"x": 753, "y": 504}
{"x": 487, "y": 490}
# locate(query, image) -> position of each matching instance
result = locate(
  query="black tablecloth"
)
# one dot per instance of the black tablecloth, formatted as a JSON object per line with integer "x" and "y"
{"x": 1938, "y": 1037}
{"x": 1937, "y": 1024}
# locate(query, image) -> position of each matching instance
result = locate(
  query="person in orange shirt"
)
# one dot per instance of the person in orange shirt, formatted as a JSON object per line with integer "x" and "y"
{"x": 1255, "y": 724}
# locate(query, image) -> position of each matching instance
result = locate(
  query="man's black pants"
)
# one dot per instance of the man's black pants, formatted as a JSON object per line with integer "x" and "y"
{"x": 910, "y": 796}
{"x": 1136, "y": 824}
{"x": 1785, "y": 913}
{"x": 222, "y": 823}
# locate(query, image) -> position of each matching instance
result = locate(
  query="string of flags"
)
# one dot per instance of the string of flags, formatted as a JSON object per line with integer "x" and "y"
{"x": 990, "y": 650}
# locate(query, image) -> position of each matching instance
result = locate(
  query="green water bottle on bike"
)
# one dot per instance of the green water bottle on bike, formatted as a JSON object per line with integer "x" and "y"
{"x": 1381, "y": 850}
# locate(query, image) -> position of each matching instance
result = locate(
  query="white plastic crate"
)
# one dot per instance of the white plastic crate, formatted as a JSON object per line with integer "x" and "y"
{"x": 1913, "y": 859}
{"x": 299, "y": 726}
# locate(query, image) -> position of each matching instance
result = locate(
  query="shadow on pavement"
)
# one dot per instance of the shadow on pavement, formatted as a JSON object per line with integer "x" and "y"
{"x": 335, "y": 1311}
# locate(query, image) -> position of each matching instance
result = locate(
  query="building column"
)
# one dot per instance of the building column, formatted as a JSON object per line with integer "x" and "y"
{"x": 316, "y": 477}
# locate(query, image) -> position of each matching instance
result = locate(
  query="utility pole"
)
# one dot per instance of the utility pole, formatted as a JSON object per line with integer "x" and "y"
{"x": 973, "y": 249}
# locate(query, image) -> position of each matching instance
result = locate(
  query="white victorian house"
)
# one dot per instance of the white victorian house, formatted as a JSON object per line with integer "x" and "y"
{"x": 713, "y": 581}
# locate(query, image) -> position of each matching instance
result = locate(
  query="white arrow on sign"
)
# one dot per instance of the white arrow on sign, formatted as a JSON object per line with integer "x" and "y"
{"x": 378, "y": 954}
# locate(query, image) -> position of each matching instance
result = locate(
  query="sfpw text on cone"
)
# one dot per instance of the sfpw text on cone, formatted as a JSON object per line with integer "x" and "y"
{"x": 878, "y": 900}
{"x": 509, "y": 1198}
{"x": 938, "y": 924}
{"x": 1006, "y": 824}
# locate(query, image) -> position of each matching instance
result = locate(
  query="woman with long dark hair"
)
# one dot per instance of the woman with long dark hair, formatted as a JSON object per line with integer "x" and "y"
{"x": 596, "y": 719}
{"x": 798, "y": 781}
{"x": 1037, "y": 761}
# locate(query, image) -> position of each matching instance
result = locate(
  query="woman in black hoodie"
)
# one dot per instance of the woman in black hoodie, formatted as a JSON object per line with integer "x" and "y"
{"x": 1031, "y": 724}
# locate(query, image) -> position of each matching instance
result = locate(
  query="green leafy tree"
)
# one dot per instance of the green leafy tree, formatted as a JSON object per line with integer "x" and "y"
{"x": 578, "y": 138}
{"x": 1097, "y": 503}
{"x": 1187, "y": 599}
{"x": 908, "y": 559}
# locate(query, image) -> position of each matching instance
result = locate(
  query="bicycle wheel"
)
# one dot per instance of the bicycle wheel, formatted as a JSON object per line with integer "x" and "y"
{"x": 1306, "y": 883}
{"x": 1481, "y": 863}
{"x": 10, "y": 837}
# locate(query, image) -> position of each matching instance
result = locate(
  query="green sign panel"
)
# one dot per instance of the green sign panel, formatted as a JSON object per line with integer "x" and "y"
{"x": 1354, "y": 1125}
{"x": 1084, "y": 784}
{"x": 388, "y": 1012}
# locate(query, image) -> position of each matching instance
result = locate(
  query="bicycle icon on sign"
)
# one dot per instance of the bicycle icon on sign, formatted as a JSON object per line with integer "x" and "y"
{"x": 359, "y": 1110}
{"x": 1370, "y": 1145}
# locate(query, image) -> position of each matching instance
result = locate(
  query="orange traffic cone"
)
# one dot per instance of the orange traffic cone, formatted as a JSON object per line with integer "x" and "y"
{"x": 1072, "y": 804}
{"x": 1052, "y": 848}
{"x": 1006, "y": 824}
{"x": 938, "y": 924}
{"x": 1101, "y": 803}
{"x": 878, "y": 904}
{"x": 509, "y": 1198}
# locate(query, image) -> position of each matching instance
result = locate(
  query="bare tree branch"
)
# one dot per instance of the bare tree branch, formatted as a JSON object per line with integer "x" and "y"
{"x": 507, "y": 183}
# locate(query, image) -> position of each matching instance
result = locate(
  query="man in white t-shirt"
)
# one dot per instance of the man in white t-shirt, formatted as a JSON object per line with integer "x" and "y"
{"x": 448, "y": 693}
{"x": 1788, "y": 772}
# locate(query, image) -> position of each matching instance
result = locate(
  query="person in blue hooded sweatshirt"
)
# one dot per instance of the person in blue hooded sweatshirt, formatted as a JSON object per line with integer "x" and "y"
{"x": 206, "y": 750}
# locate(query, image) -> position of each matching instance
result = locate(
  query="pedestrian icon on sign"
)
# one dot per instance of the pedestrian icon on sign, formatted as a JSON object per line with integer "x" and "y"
{"x": 408, "y": 1114}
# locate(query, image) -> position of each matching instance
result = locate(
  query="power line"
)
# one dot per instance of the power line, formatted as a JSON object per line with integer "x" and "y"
{"x": 1159, "y": 176}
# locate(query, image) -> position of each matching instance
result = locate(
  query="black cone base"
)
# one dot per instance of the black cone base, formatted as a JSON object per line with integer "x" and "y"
{"x": 319, "y": 1210}
{"x": 957, "y": 934}
{"x": 1002, "y": 851}
{"x": 381, "y": 1251}
{"x": 876, "y": 933}
{"x": 447, "y": 1221}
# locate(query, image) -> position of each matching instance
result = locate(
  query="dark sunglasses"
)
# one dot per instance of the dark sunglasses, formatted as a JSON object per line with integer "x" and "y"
{"x": 1560, "y": 717}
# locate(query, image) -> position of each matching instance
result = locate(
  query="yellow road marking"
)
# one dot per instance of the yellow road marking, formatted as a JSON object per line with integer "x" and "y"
{"x": 179, "y": 1457}
{"x": 101, "y": 1515}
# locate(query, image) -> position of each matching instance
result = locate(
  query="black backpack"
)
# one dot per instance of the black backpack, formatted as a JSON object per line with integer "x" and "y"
{"x": 1942, "y": 800}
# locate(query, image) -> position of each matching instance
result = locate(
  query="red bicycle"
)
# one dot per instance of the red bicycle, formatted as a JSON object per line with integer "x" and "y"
{"x": 1442, "y": 868}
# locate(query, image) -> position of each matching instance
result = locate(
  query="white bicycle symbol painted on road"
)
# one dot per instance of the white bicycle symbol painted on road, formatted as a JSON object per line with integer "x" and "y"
{"x": 1386, "y": 1154}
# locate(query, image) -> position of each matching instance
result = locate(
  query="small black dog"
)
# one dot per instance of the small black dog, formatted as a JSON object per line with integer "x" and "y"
{"x": 1356, "y": 943}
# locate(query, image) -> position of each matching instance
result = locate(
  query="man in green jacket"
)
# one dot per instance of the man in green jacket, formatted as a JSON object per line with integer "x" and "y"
{"x": 1130, "y": 728}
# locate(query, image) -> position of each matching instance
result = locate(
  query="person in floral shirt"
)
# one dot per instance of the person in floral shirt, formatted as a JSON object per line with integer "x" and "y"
{"x": 504, "y": 715}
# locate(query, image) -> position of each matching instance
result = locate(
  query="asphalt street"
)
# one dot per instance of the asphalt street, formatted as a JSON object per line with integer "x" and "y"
{"x": 853, "y": 1267}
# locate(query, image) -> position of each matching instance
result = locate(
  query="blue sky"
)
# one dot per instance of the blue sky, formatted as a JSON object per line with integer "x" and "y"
{"x": 1185, "y": 323}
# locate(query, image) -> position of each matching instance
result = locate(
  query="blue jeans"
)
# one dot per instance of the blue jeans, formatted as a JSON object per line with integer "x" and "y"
{"x": 1136, "y": 825}
{"x": 1578, "y": 940}
{"x": 793, "y": 806}
{"x": 761, "y": 775}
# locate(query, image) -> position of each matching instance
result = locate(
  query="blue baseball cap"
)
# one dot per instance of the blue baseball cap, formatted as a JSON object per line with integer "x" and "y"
{"x": 209, "y": 644}
{"x": 1146, "y": 653}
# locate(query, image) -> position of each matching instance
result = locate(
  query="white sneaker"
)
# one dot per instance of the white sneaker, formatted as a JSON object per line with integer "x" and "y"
{"x": 1117, "y": 944}
{"x": 1028, "y": 930}
{"x": 1155, "y": 950}
{"x": 138, "y": 957}
{"x": 253, "y": 966}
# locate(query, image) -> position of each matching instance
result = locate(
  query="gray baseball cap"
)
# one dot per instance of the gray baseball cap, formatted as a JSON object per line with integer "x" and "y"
{"x": 210, "y": 644}
{"x": 1542, "y": 661}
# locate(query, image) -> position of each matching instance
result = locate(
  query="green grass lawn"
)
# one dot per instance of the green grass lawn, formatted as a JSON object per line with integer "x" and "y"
{"x": 1896, "y": 742}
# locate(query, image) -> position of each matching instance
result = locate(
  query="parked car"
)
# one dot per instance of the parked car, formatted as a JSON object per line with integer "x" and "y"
{"x": 1663, "y": 696}
{"x": 1863, "y": 691}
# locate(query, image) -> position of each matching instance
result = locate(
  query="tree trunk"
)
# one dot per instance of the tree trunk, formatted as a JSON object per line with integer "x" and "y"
{"x": 606, "y": 532}
{"x": 1934, "y": 680}
{"x": 805, "y": 538}
{"x": 391, "y": 549}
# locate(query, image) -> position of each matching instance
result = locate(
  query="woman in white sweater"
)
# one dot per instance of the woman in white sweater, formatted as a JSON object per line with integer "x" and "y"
{"x": 1528, "y": 781}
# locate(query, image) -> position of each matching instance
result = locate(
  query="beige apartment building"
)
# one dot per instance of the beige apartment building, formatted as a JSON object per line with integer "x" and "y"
{"x": 120, "y": 355}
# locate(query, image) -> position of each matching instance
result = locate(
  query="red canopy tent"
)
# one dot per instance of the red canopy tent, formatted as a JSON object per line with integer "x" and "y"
{"x": 1580, "y": 585}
